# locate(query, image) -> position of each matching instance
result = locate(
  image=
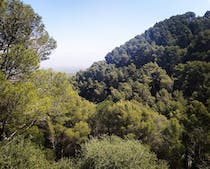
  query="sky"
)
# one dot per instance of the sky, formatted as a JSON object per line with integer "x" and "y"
{"x": 86, "y": 30}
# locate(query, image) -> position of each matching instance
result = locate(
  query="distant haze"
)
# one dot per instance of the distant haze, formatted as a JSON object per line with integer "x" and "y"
{"x": 69, "y": 69}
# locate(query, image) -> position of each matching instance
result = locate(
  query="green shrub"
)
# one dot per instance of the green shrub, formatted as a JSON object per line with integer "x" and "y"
{"x": 116, "y": 153}
{"x": 64, "y": 163}
{"x": 23, "y": 154}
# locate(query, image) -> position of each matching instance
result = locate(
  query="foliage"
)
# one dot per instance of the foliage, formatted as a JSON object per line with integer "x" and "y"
{"x": 113, "y": 152}
{"x": 154, "y": 89}
{"x": 19, "y": 107}
{"x": 22, "y": 153}
{"x": 23, "y": 38}
{"x": 193, "y": 79}
{"x": 18, "y": 61}
{"x": 129, "y": 119}
{"x": 65, "y": 123}
{"x": 163, "y": 71}
{"x": 197, "y": 141}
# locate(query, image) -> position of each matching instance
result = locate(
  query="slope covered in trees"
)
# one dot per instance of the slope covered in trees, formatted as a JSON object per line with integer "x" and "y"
{"x": 164, "y": 70}
{"x": 179, "y": 39}
{"x": 146, "y": 106}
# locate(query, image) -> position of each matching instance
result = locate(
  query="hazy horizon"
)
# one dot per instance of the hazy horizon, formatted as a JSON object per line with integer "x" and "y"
{"x": 86, "y": 31}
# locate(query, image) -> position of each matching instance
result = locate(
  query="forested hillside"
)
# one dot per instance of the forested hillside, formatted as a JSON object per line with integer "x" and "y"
{"x": 156, "y": 88}
{"x": 147, "y": 106}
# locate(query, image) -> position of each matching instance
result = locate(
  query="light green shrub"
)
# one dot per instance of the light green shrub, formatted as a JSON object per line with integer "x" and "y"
{"x": 116, "y": 153}
{"x": 23, "y": 154}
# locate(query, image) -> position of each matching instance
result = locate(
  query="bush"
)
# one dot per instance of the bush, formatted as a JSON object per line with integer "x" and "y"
{"x": 23, "y": 154}
{"x": 114, "y": 152}
{"x": 64, "y": 163}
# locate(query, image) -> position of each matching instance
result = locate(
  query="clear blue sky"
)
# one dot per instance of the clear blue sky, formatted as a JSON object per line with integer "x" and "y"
{"x": 85, "y": 30}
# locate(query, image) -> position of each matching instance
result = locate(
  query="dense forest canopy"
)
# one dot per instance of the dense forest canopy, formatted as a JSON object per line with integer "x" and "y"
{"x": 165, "y": 70}
{"x": 147, "y": 105}
{"x": 181, "y": 39}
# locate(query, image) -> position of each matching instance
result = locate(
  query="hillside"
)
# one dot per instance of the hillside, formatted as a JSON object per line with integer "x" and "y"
{"x": 167, "y": 70}
{"x": 181, "y": 39}
{"x": 146, "y": 106}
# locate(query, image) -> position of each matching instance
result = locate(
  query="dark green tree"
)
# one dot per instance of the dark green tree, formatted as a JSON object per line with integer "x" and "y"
{"x": 22, "y": 33}
{"x": 193, "y": 79}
